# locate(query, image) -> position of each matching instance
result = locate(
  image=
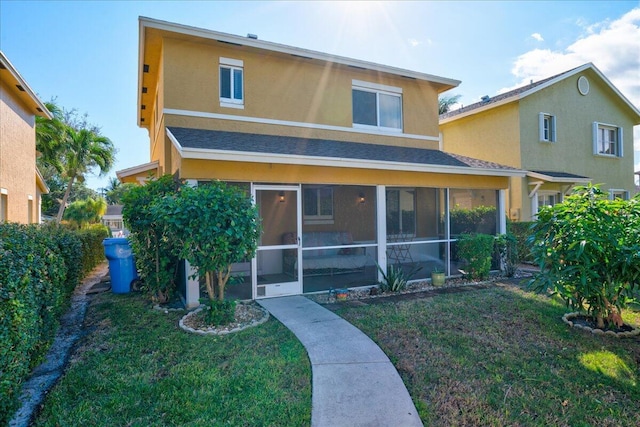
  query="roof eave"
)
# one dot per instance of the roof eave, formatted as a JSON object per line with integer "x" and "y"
{"x": 145, "y": 22}
{"x": 542, "y": 86}
{"x": 134, "y": 170}
{"x": 40, "y": 109}
{"x": 224, "y": 155}
{"x": 564, "y": 180}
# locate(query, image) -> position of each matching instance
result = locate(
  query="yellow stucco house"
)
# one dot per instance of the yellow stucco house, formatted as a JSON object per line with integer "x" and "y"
{"x": 566, "y": 130}
{"x": 21, "y": 184}
{"x": 341, "y": 156}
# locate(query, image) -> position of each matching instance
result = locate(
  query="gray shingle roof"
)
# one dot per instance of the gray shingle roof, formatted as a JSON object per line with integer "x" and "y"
{"x": 323, "y": 148}
{"x": 556, "y": 174}
{"x": 502, "y": 96}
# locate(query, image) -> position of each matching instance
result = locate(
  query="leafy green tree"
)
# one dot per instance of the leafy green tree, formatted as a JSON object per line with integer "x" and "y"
{"x": 57, "y": 187}
{"x": 70, "y": 147}
{"x": 588, "y": 250}
{"x": 84, "y": 150}
{"x": 154, "y": 248}
{"x": 215, "y": 225}
{"x": 445, "y": 102}
{"x": 50, "y": 136}
{"x": 115, "y": 191}
{"x": 84, "y": 212}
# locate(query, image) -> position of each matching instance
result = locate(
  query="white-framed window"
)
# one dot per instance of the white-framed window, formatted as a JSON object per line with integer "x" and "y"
{"x": 547, "y": 125}
{"x": 376, "y": 106}
{"x": 231, "y": 83}
{"x": 618, "y": 194}
{"x": 548, "y": 198}
{"x": 317, "y": 204}
{"x": 607, "y": 140}
{"x": 4, "y": 204}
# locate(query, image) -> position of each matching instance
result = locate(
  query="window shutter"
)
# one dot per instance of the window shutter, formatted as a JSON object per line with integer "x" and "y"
{"x": 595, "y": 137}
{"x": 541, "y": 126}
{"x": 552, "y": 136}
{"x": 620, "y": 143}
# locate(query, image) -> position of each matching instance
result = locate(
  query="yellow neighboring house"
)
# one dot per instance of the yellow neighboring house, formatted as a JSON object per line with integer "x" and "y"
{"x": 566, "y": 130}
{"x": 340, "y": 155}
{"x": 21, "y": 184}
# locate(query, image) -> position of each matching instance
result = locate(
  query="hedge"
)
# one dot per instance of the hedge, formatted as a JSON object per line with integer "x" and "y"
{"x": 521, "y": 231}
{"x": 40, "y": 267}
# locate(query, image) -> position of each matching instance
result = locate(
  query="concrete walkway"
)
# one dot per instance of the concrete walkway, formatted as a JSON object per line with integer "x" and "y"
{"x": 354, "y": 383}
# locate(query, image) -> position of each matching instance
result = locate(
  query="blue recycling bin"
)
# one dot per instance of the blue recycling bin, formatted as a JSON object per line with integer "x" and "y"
{"x": 122, "y": 267}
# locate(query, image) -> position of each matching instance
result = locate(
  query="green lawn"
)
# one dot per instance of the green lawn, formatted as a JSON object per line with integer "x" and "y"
{"x": 499, "y": 356}
{"x": 502, "y": 356}
{"x": 137, "y": 368}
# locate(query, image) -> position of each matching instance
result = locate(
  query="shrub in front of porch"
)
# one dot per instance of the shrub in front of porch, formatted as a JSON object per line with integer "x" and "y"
{"x": 213, "y": 226}
{"x": 476, "y": 251}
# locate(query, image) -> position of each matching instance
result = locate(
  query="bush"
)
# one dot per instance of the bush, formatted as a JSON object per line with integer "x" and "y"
{"x": 588, "y": 250}
{"x": 476, "y": 251}
{"x": 92, "y": 247}
{"x": 220, "y": 312}
{"x": 40, "y": 267}
{"x": 506, "y": 247}
{"x": 521, "y": 232}
{"x": 481, "y": 219}
{"x": 152, "y": 247}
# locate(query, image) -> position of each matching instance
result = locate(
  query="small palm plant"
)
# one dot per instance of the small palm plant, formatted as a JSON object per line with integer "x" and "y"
{"x": 395, "y": 279}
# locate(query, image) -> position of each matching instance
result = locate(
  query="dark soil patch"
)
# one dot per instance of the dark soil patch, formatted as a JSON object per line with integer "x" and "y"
{"x": 590, "y": 322}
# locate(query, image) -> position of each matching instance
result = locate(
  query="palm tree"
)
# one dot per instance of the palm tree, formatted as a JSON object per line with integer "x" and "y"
{"x": 50, "y": 136}
{"x": 84, "y": 212}
{"x": 84, "y": 150}
{"x": 445, "y": 103}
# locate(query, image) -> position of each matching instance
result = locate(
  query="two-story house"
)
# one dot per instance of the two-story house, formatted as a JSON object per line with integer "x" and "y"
{"x": 566, "y": 130}
{"x": 21, "y": 184}
{"x": 340, "y": 155}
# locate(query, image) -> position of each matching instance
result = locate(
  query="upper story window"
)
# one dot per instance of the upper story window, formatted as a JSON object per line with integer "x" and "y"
{"x": 231, "y": 83}
{"x": 547, "y": 125}
{"x": 607, "y": 140}
{"x": 377, "y": 106}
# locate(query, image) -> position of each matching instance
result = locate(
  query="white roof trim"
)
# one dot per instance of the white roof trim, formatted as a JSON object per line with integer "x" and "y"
{"x": 22, "y": 82}
{"x": 535, "y": 89}
{"x": 306, "y": 125}
{"x": 291, "y": 159}
{"x": 549, "y": 178}
{"x": 276, "y": 47}
{"x": 137, "y": 169}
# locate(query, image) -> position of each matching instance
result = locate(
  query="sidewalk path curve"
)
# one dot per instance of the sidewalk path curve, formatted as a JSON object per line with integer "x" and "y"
{"x": 353, "y": 381}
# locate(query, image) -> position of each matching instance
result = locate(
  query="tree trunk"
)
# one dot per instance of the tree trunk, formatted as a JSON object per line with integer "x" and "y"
{"x": 63, "y": 204}
{"x": 223, "y": 277}
{"x": 209, "y": 281}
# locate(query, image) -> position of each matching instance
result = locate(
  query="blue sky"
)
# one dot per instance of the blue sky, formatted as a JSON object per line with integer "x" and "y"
{"x": 84, "y": 53}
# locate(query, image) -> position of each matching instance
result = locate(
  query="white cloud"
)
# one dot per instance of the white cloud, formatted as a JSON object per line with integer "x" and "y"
{"x": 612, "y": 46}
{"x": 537, "y": 36}
{"x": 416, "y": 42}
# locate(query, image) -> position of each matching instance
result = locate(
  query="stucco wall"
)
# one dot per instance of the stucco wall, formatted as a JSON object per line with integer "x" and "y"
{"x": 287, "y": 88}
{"x": 491, "y": 135}
{"x": 17, "y": 156}
{"x": 575, "y": 114}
